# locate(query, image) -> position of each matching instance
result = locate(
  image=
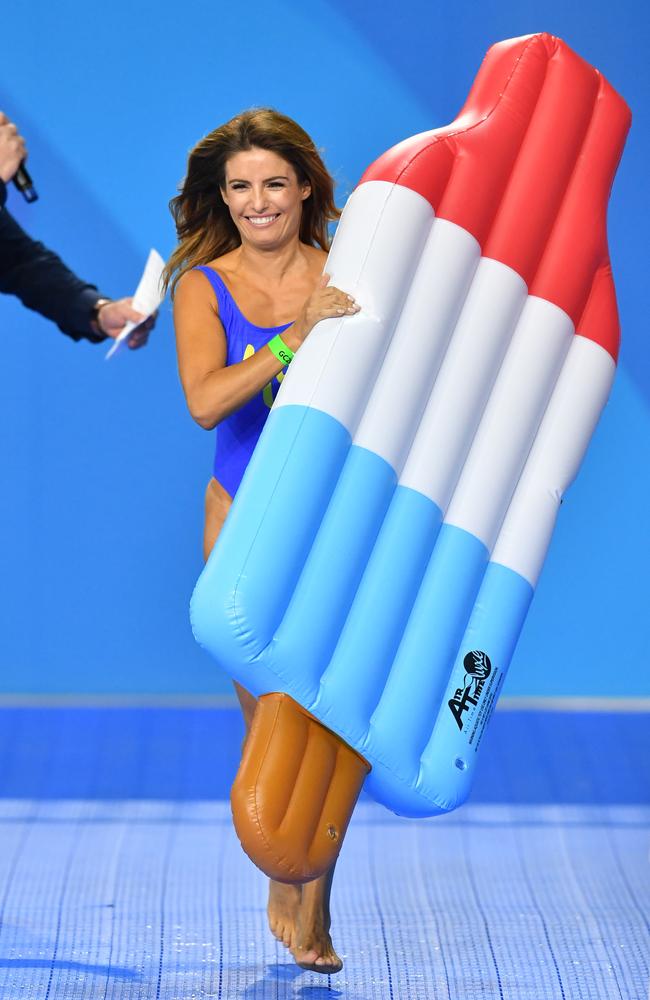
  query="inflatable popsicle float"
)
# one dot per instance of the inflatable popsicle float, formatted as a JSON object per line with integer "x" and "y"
{"x": 378, "y": 562}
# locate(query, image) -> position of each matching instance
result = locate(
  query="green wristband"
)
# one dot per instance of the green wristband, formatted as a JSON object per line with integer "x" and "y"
{"x": 278, "y": 347}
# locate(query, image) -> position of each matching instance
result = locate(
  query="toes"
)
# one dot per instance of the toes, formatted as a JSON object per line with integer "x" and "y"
{"x": 282, "y": 910}
{"x": 312, "y": 961}
{"x": 282, "y": 933}
{"x": 328, "y": 963}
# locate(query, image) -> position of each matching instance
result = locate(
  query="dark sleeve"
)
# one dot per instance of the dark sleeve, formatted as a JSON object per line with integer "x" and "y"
{"x": 41, "y": 280}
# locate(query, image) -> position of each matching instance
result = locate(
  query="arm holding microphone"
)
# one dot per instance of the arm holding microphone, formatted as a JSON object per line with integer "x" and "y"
{"x": 40, "y": 279}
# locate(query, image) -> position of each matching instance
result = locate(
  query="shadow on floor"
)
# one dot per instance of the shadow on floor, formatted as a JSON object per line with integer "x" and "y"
{"x": 114, "y": 971}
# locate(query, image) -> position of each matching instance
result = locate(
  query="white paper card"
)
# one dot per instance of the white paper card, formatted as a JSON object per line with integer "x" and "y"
{"x": 148, "y": 296}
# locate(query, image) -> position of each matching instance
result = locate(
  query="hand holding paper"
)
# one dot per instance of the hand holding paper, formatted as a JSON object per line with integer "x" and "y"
{"x": 147, "y": 298}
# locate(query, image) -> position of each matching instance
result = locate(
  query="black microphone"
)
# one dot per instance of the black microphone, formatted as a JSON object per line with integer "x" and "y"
{"x": 25, "y": 184}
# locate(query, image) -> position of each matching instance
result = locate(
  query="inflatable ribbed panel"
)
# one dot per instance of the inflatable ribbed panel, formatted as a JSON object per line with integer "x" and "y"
{"x": 384, "y": 546}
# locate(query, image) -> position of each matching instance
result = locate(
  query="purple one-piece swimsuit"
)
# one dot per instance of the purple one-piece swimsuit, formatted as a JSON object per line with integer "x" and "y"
{"x": 237, "y": 435}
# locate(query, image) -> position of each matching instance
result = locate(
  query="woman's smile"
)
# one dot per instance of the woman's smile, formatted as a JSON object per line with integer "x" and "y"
{"x": 262, "y": 221}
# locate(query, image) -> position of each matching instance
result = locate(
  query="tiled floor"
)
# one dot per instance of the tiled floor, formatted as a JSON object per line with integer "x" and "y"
{"x": 135, "y": 896}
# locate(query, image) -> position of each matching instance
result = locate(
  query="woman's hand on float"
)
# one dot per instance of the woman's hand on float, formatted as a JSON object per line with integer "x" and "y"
{"x": 213, "y": 388}
{"x": 325, "y": 302}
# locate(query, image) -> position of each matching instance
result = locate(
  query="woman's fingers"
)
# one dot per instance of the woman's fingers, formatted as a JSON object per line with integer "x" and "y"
{"x": 327, "y": 302}
{"x": 342, "y": 303}
{"x": 331, "y": 292}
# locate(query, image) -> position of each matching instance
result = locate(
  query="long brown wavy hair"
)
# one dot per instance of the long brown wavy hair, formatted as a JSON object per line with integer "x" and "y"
{"x": 204, "y": 227}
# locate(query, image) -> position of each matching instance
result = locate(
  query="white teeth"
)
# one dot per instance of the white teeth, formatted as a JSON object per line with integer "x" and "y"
{"x": 261, "y": 220}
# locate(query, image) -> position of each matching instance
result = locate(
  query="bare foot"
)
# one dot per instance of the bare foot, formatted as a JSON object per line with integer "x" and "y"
{"x": 282, "y": 910}
{"x": 312, "y": 946}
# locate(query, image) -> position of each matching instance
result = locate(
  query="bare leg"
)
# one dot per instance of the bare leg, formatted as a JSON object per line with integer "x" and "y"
{"x": 299, "y": 916}
{"x": 217, "y": 505}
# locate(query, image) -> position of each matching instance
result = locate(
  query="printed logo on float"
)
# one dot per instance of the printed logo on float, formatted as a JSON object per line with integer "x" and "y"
{"x": 477, "y": 669}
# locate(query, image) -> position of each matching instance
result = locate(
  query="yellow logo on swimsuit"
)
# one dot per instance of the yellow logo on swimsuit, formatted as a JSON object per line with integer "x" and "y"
{"x": 267, "y": 391}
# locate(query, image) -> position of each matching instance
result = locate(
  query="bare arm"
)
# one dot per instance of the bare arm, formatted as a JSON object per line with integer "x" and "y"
{"x": 212, "y": 390}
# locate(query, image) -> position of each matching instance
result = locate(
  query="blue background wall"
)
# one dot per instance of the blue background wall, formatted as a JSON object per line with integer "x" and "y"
{"x": 100, "y": 511}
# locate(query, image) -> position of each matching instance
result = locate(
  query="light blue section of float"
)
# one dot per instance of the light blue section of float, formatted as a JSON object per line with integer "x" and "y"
{"x": 271, "y": 527}
{"x": 363, "y": 657}
{"x": 449, "y": 760}
{"x": 411, "y": 786}
{"x": 402, "y": 722}
{"x": 365, "y": 610}
{"x": 332, "y": 572}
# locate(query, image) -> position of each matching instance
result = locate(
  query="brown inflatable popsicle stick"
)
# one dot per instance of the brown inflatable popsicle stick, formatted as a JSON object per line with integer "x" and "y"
{"x": 295, "y": 791}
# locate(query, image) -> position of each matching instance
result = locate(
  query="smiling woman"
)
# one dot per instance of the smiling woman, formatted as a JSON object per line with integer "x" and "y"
{"x": 206, "y": 230}
{"x": 248, "y": 286}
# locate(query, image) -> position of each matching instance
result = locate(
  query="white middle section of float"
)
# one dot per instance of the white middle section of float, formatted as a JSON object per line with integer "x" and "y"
{"x": 376, "y": 250}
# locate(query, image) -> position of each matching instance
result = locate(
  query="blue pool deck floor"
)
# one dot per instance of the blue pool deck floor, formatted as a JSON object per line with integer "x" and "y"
{"x": 121, "y": 876}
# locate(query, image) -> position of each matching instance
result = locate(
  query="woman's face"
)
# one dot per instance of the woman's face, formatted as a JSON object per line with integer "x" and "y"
{"x": 264, "y": 197}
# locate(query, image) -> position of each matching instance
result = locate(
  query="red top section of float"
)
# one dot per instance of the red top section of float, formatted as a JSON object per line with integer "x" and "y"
{"x": 527, "y": 169}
